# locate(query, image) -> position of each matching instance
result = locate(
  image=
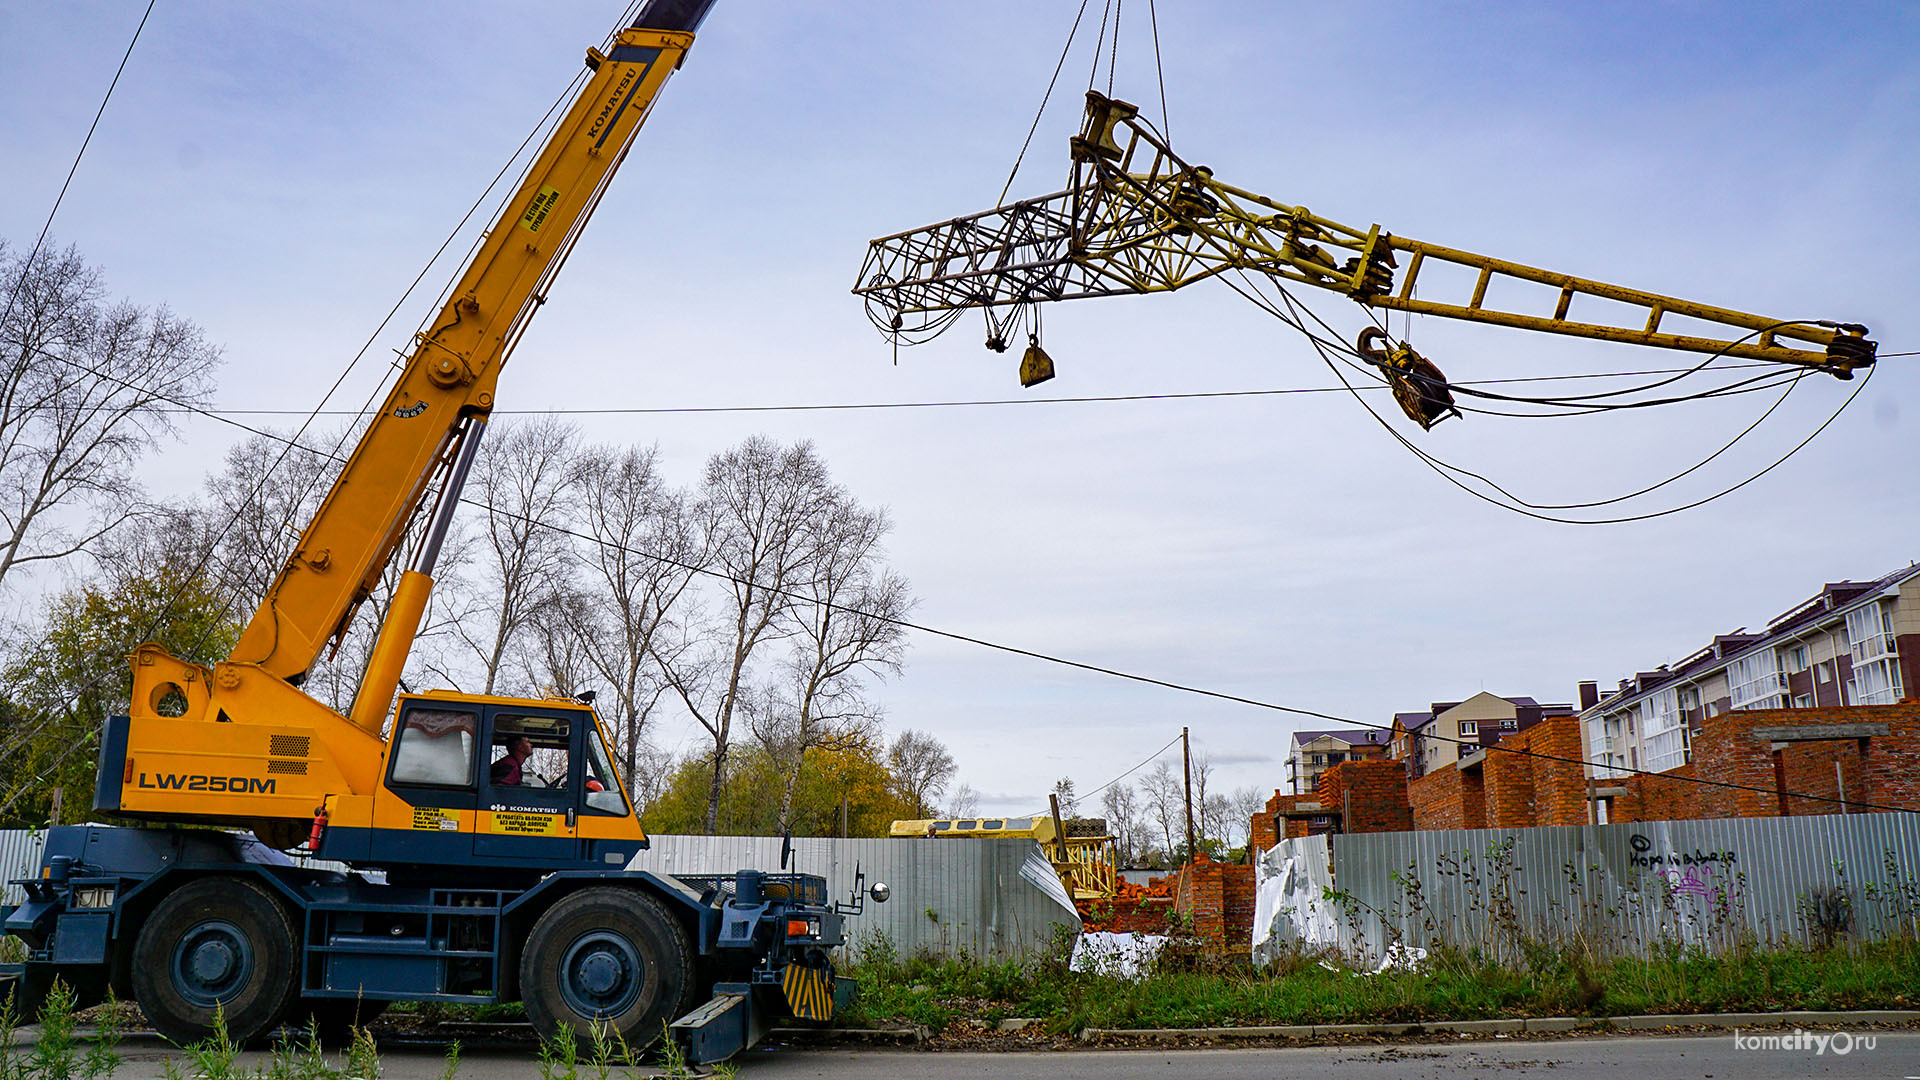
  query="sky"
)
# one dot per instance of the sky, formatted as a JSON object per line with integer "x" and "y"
{"x": 279, "y": 173}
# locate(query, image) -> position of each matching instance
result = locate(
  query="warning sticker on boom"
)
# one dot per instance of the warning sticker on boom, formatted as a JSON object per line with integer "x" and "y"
{"x": 513, "y": 824}
{"x": 538, "y": 210}
{"x": 432, "y": 817}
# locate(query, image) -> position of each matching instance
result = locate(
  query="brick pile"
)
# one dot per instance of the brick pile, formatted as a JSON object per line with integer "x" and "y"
{"x": 1134, "y": 909}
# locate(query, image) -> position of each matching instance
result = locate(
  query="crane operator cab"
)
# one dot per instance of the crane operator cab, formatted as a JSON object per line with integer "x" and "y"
{"x": 514, "y": 785}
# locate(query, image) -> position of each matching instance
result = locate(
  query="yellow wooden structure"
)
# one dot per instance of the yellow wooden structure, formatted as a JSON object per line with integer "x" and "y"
{"x": 1085, "y": 863}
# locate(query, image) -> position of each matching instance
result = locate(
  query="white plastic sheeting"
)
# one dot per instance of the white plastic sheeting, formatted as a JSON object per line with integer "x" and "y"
{"x": 1290, "y": 909}
{"x": 1119, "y": 956}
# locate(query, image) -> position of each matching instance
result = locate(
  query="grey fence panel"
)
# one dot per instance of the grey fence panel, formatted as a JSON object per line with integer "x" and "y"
{"x": 19, "y": 858}
{"x": 1625, "y": 888}
{"x": 987, "y": 898}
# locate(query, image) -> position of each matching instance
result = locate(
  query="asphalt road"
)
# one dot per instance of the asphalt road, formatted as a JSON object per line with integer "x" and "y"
{"x": 1648, "y": 1057}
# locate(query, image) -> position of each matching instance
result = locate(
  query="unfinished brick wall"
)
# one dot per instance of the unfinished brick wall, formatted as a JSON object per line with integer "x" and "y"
{"x": 1887, "y": 774}
{"x": 1370, "y": 796}
{"x": 1667, "y": 796}
{"x": 1273, "y": 824}
{"x": 1217, "y": 898}
{"x": 1535, "y": 777}
{"x": 1447, "y": 798}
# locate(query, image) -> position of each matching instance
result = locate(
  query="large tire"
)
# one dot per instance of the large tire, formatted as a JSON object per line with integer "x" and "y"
{"x": 216, "y": 942}
{"x": 606, "y": 955}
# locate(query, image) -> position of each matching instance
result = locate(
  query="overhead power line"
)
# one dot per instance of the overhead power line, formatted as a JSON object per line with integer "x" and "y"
{"x": 964, "y": 403}
{"x": 14, "y": 293}
{"x": 1033, "y": 654}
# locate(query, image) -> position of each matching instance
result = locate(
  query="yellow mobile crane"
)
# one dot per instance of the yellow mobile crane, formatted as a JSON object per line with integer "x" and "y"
{"x": 1136, "y": 218}
{"x": 502, "y": 883}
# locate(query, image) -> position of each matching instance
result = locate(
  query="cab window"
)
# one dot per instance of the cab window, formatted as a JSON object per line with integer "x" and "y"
{"x": 603, "y": 788}
{"x": 435, "y": 748}
{"x": 530, "y": 751}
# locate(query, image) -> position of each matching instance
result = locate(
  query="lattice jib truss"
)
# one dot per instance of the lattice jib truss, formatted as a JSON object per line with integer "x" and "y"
{"x": 1136, "y": 218}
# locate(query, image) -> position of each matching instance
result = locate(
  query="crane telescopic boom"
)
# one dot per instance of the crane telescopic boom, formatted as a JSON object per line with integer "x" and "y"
{"x": 1137, "y": 218}
{"x": 427, "y": 430}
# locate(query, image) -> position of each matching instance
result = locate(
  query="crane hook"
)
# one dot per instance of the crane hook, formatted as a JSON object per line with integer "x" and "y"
{"x": 1418, "y": 386}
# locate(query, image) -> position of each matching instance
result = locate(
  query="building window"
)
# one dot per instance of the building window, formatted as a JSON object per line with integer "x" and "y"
{"x": 1870, "y": 630}
{"x": 1803, "y": 701}
{"x": 1469, "y": 727}
{"x": 1665, "y": 732}
{"x": 1317, "y": 759}
{"x": 1509, "y": 725}
{"x": 1823, "y": 671}
{"x": 1757, "y": 681}
{"x": 1877, "y": 683}
{"x": 1794, "y": 660}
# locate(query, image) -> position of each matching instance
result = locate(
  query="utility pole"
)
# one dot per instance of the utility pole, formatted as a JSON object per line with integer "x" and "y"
{"x": 1186, "y": 764}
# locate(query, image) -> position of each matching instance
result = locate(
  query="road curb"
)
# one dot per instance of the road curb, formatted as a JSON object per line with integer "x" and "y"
{"x": 1528, "y": 1025}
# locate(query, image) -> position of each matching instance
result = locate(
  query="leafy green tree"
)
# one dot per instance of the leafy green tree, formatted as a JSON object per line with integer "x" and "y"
{"x": 752, "y": 777}
{"x": 60, "y": 685}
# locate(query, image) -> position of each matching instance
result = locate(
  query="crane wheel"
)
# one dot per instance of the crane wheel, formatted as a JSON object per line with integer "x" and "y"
{"x": 218, "y": 943}
{"x": 606, "y": 956}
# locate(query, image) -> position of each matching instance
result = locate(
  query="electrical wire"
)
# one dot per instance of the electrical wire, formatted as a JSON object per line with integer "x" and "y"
{"x": 1044, "y": 98}
{"x": 862, "y": 406}
{"x": 1050, "y": 658}
{"x": 14, "y": 293}
{"x": 1329, "y": 347}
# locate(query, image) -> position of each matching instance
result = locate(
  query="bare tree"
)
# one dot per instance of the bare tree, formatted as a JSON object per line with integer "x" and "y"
{"x": 965, "y": 802}
{"x": 86, "y": 387}
{"x": 1069, "y": 802}
{"x": 643, "y": 557}
{"x": 1164, "y": 796}
{"x": 846, "y": 628}
{"x": 524, "y": 476}
{"x": 922, "y": 766}
{"x": 1122, "y": 807}
{"x": 755, "y": 504}
{"x": 1241, "y": 806}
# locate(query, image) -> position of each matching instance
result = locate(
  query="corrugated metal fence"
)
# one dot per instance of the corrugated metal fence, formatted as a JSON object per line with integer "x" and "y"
{"x": 19, "y": 858}
{"x": 1622, "y": 888}
{"x": 987, "y": 898}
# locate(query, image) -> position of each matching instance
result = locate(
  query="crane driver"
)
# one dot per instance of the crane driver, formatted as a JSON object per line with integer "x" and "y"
{"x": 507, "y": 771}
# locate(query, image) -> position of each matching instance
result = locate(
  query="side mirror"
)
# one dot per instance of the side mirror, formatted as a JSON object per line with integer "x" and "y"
{"x": 879, "y": 892}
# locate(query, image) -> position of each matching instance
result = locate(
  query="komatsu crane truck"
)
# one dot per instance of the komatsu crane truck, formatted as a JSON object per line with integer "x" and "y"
{"x": 487, "y": 838}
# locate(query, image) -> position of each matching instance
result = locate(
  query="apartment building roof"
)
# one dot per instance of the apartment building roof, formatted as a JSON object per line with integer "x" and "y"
{"x": 1350, "y": 736}
{"x": 1414, "y": 721}
{"x": 1834, "y": 598}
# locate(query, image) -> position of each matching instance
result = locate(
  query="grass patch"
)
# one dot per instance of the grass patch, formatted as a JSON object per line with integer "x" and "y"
{"x": 1553, "y": 981}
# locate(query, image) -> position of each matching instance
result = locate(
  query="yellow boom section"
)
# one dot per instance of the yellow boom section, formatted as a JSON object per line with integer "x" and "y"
{"x": 238, "y": 743}
{"x": 453, "y": 367}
